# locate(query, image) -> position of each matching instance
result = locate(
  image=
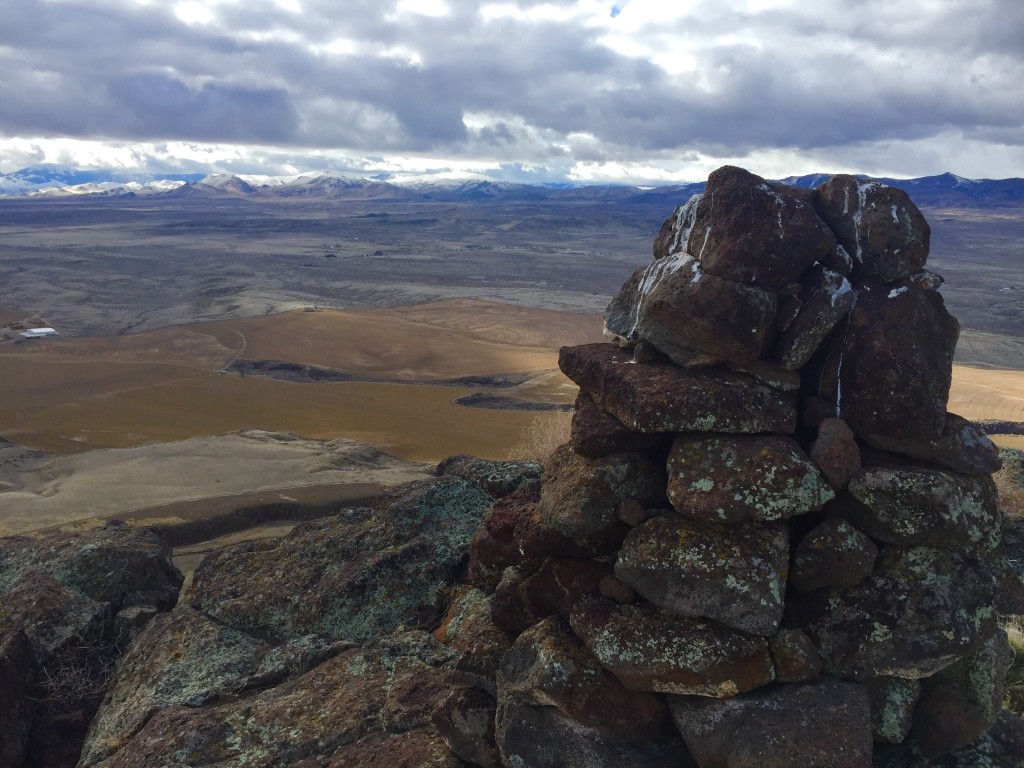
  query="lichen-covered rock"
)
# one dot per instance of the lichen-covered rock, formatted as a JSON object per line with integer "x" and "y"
{"x": 1000, "y": 747}
{"x": 353, "y": 577}
{"x": 748, "y": 231}
{"x": 595, "y": 433}
{"x": 465, "y": 720}
{"x": 890, "y": 366}
{"x": 825, "y": 723}
{"x": 770, "y": 373}
{"x": 17, "y": 673}
{"x": 892, "y": 707}
{"x": 921, "y": 610}
{"x": 558, "y": 706}
{"x": 469, "y": 627}
{"x": 186, "y": 659}
{"x": 826, "y": 299}
{"x": 580, "y": 496}
{"x": 659, "y": 397}
{"x": 962, "y": 701}
{"x": 497, "y": 478}
{"x": 365, "y": 706}
{"x": 692, "y": 316}
{"x": 833, "y": 554}
{"x": 510, "y": 609}
{"x": 878, "y": 225}
{"x": 962, "y": 447}
{"x": 556, "y": 587}
{"x": 735, "y": 574}
{"x": 1010, "y": 568}
{"x": 650, "y": 650}
{"x": 911, "y": 505}
{"x": 795, "y": 658}
{"x": 835, "y": 452}
{"x": 729, "y": 478}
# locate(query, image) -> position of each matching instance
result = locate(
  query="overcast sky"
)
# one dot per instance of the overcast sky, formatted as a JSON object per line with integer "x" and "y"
{"x": 585, "y": 90}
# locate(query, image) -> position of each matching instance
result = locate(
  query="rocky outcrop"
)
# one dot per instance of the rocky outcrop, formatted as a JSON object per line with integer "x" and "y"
{"x": 70, "y": 604}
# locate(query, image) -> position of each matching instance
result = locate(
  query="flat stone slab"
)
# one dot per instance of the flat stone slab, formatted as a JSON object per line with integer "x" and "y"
{"x": 660, "y": 397}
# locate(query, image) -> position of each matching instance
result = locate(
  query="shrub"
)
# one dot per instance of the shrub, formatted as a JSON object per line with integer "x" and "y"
{"x": 541, "y": 436}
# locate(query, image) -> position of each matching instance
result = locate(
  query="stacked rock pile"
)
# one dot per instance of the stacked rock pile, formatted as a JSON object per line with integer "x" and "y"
{"x": 767, "y": 543}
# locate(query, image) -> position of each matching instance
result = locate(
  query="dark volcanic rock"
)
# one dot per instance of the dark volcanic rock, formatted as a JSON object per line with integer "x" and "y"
{"x": 922, "y": 506}
{"x": 1010, "y": 571}
{"x": 833, "y": 554}
{"x": 1000, "y": 747}
{"x": 892, "y": 707}
{"x": 366, "y": 706}
{"x": 469, "y": 628}
{"x": 921, "y": 610}
{"x": 735, "y": 574}
{"x": 795, "y": 658}
{"x": 664, "y": 398}
{"x": 878, "y": 226}
{"x": 835, "y": 452}
{"x": 649, "y": 650}
{"x": 674, "y": 235}
{"x": 890, "y": 367}
{"x": 354, "y": 577}
{"x": 747, "y": 231}
{"x": 558, "y": 706}
{"x": 692, "y": 316}
{"x": 826, "y": 299}
{"x": 17, "y": 673}
{"x": 465, "y": 720}
{"x": 580, "y": 496}
{"x": 497, "y": 478}
{"x": 963, "y": 700}
{"x": 186, "y": 659}
{"x": 825, "y": 723}
{"x": 728, "y": 478}
{"x": 962, "y": 447}
{"x": 596, "y": 433}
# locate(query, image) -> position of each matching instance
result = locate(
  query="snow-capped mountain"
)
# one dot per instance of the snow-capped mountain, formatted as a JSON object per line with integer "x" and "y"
{"x": 53, "y": 181}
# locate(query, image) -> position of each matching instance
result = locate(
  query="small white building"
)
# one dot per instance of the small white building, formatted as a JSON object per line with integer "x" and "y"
{"x": 38, "y": 333}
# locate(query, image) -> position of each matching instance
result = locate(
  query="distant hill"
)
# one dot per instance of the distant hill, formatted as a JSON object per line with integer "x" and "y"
{"x": 943, "y": 191}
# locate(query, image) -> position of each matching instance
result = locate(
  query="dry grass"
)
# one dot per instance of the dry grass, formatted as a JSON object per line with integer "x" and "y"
{"x": 541, "y": 436}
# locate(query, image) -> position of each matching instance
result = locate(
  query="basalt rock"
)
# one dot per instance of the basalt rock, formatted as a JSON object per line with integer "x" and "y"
{"x": 879, "y": 226}
{"x": 962, "y": 447}
{"x": 469, "y": 628}
{"x": 833, "y": 554}
{"x": 892, "y": 707}
{"x": 496, "y": 478}
{"x": 735, "y": 574}
{"x": 835, "y": 452}
{"x": 827, "y": 297}
{"x": 1002, "y": 745}
{"x": 729, "y": 478}
{"x": 795, "y": 658}
{"x": 659, "y": 397}
{"x": 465, "y": 720}
{"x": 596, "y": 434}
{"x": 17, "y": 674}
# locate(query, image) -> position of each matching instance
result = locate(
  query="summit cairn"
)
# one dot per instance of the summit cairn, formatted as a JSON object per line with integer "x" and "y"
{"x": 766, "y": 542}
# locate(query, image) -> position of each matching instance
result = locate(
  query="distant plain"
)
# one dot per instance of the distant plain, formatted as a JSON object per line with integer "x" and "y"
{"x": 154, "y": 300}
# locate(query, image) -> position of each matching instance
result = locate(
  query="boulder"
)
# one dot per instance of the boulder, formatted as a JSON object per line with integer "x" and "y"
{"x": 890, "y": 366}
{"x": 674, "y": 235}
{"x": 827, "y": 297}
{"x": 596, "y": 434}
{"x": 354, "y": 577}
{"x": 366, "y": 706}
{"x": 650, "y": 650}
{"x": 659, "y": 397}
{"x": 1002, "y": 745}
{"x": 496, "y": 478}
{"x": 912, "y": 505}
{"x": 692, "y": 316}
{"x": 730, "y": 478}
{"x": 465, "y": 721}
{"x": 469, "y": 628}
{"x": 734, "y": 574}
{"x": 878, "y": 225}
{"x": 186, "y": 659}
{"x": 825, "y": 723}
{"x": 962, "y": 447}
{"x": 921, "y": 610}
{"x": 1010, "y": 569}
{"x": 17, "y": 674}
{"x": 748, "y": 231}
{"x": 832, "y": 554}
{"x": 892, "y": 707}
{"x": 962, "y": 701}
{"x": 835, "y": 452}
{"x": 794, "y": 656}
{"x": 580, "y": 496}
{"x": 558, "y": 706}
